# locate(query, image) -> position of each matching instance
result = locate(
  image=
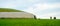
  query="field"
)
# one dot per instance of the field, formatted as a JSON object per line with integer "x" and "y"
{"x": 29, "y": 22}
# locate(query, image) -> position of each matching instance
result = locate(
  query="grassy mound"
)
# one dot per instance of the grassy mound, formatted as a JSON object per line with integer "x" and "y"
{"x": 9, "y": 10}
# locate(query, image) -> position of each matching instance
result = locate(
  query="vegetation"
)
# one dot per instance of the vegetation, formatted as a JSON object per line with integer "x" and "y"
{"x": 9, "y": 10}
{"x": 29, "y": 22}
{"x": 26, "y": 22}
{"x": 54, "y": 17}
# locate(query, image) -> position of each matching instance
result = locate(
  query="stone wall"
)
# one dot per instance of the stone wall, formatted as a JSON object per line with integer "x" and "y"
{"x": 16, "y": 15}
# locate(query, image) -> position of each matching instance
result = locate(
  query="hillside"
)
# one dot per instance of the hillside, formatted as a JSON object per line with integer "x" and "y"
{"x": 9, "y": 10}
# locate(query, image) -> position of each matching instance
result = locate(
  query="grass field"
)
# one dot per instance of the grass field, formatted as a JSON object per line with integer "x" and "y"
{"x": 29, "y": 22}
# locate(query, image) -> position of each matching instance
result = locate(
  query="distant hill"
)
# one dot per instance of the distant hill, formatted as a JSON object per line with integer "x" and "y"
{"x": 9, "y": 10}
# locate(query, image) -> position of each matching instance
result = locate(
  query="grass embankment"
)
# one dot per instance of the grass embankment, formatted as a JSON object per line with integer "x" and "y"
{"x": 9, "y": 10}
{"x": 29, "y": 22}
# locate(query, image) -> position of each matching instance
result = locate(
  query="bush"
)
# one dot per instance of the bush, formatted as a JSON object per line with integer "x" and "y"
{"x": 54, "y": 17}
{"x": 34, "y": 17}
{"x": 2, "y": 18}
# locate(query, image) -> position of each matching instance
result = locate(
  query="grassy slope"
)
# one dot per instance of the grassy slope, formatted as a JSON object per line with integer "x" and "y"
{"x": 29, "y": 22}
{"x": 9, "y": 10}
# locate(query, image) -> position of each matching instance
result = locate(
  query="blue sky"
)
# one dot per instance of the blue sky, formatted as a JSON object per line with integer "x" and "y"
{"x": 41, "y": 8}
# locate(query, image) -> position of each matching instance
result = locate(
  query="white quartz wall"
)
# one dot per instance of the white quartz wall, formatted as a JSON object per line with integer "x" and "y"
{"x": 16, "y": 15}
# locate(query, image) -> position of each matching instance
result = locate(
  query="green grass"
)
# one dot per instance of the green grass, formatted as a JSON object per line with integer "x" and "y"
{"x": 29, "y": 22}
{"x": 9, "y": 10}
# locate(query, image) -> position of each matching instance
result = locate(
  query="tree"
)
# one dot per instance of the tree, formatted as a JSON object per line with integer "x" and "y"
{"x": 34, "y": 17}
{"x": 50, "y": 17}
{"x": 54, "y": 17}
{"x": 2, "y": 18}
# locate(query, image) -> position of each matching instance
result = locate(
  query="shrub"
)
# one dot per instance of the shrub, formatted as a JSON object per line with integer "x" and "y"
{"x": 54, "y": 17}
{"x": 2, "y": 18}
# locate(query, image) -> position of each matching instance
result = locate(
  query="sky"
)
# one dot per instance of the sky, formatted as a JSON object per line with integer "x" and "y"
{"x": 41, "y": 8}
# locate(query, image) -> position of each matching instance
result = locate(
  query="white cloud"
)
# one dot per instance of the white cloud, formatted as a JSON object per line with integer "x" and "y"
{"x": 54, "y": 5}
{"x": 32, "y": 0}
{"x": 49, "y": 14}
{"x": 34, "y": 8}
{"x": 29, "y": 9}
{"x": 41, "y": 7}
{"x": 45, "y": 6}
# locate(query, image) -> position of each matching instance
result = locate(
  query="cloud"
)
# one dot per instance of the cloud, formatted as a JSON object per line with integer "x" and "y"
{"x": 36, "y": 7}
{"x": 44, "y": 6}
{"x": 41, "y": 7}
{"x": 54, "y": 5}
{"x": 54, "y": 14}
